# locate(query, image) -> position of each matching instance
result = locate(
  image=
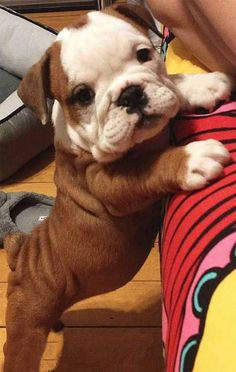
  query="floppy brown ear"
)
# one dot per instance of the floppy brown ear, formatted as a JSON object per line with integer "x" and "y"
{"x": 34, "y": 88}
{"x": 139, "y": 14}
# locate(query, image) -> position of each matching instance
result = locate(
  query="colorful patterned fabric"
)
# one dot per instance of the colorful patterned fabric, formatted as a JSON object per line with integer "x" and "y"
{"x": 177, "y": 58}
{"x": 167, "y": 38}
{"x": 198, "y": 258}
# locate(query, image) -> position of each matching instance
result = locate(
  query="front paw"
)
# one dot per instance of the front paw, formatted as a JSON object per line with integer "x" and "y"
{"x": 206, "y": 90}
{"x": 205, "y": 163}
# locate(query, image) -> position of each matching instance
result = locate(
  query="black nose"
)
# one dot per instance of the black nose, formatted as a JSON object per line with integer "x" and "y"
{"x": 133, "y": 98}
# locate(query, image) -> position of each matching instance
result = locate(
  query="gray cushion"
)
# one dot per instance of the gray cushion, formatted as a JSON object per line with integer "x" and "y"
{"x": 8, "y": 83}
{"x": 22, "y": 42}
{"x": 22, "y": 136}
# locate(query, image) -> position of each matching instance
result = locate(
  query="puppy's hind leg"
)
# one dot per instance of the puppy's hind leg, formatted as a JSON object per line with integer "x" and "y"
{"x": 29, "y": 322}
{"x": 35, "y": 302}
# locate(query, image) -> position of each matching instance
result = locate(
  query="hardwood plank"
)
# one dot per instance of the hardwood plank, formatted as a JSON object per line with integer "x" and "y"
{"x": 104, "y": 350}
{"x": 4, "y": 269}
{"x": 151, "y": 268}
{"x": 43, "y": 175}
{"x": 41, "y": 188}
{"x": 116, "y": 350}
{"x": 135, "y": 304}
{"x": 39, "y": 169}
{"x": 3, "y": 301}
{"x": 56, "y": 20}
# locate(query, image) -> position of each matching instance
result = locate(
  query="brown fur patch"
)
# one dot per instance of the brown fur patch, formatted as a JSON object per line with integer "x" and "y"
{"x": 58, "y": 78}
{"x": 80, "y": 22}
{"x": 34, "y": 88}
{"x": 115, "y": 13}
{"x": 61, "y": 88}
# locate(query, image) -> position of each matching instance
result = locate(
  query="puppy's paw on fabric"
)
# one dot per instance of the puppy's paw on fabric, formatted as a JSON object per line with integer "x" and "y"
{"x": 205, "y": 163}
{"x": 206, "y": 90}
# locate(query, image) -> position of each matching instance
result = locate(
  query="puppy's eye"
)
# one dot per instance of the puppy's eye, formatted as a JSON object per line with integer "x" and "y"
{"x": 83, "y": 95}
{"x": 143, "y": 55}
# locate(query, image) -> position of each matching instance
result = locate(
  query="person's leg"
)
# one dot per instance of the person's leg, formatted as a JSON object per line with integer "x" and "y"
{"x": 219, "y": 17}
{"x": 198, "y": 250}
{"x": 206, "y": 35}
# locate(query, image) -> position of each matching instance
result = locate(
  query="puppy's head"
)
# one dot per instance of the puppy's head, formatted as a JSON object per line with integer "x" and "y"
{"x": 110, "y": 87}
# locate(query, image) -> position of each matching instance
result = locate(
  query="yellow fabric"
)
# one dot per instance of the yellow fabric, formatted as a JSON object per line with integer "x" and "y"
{"x": 179, "y": 60}
{"x": 216, "y": 352}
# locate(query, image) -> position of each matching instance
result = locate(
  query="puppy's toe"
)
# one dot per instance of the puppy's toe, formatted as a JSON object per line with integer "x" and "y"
{"x": 205, "y": 163}
{"x": 209, "y": 89}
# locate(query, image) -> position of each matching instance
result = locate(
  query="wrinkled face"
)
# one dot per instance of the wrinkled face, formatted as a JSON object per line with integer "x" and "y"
{"x": 118, "y": 93}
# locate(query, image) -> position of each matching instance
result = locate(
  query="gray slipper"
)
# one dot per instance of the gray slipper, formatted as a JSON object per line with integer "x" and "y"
{"x": 21, "y": 211}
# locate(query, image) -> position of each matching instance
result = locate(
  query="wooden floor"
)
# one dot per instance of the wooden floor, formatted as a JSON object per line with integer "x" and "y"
{"x": 116, "y": 332}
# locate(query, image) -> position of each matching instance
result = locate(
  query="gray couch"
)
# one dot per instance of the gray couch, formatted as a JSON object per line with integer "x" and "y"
{"x": 22, "y": 136}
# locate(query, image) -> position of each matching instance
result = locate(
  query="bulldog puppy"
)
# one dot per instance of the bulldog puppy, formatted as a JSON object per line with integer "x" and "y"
{"x": 113, "y": 100}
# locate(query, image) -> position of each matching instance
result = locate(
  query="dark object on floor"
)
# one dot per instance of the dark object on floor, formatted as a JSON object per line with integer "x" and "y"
{"x": 21, "y": 211}
{"x": 58, "y": 326}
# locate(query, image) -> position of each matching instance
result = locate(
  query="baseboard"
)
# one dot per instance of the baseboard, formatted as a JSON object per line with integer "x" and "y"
{"x": 52, "y": 7}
